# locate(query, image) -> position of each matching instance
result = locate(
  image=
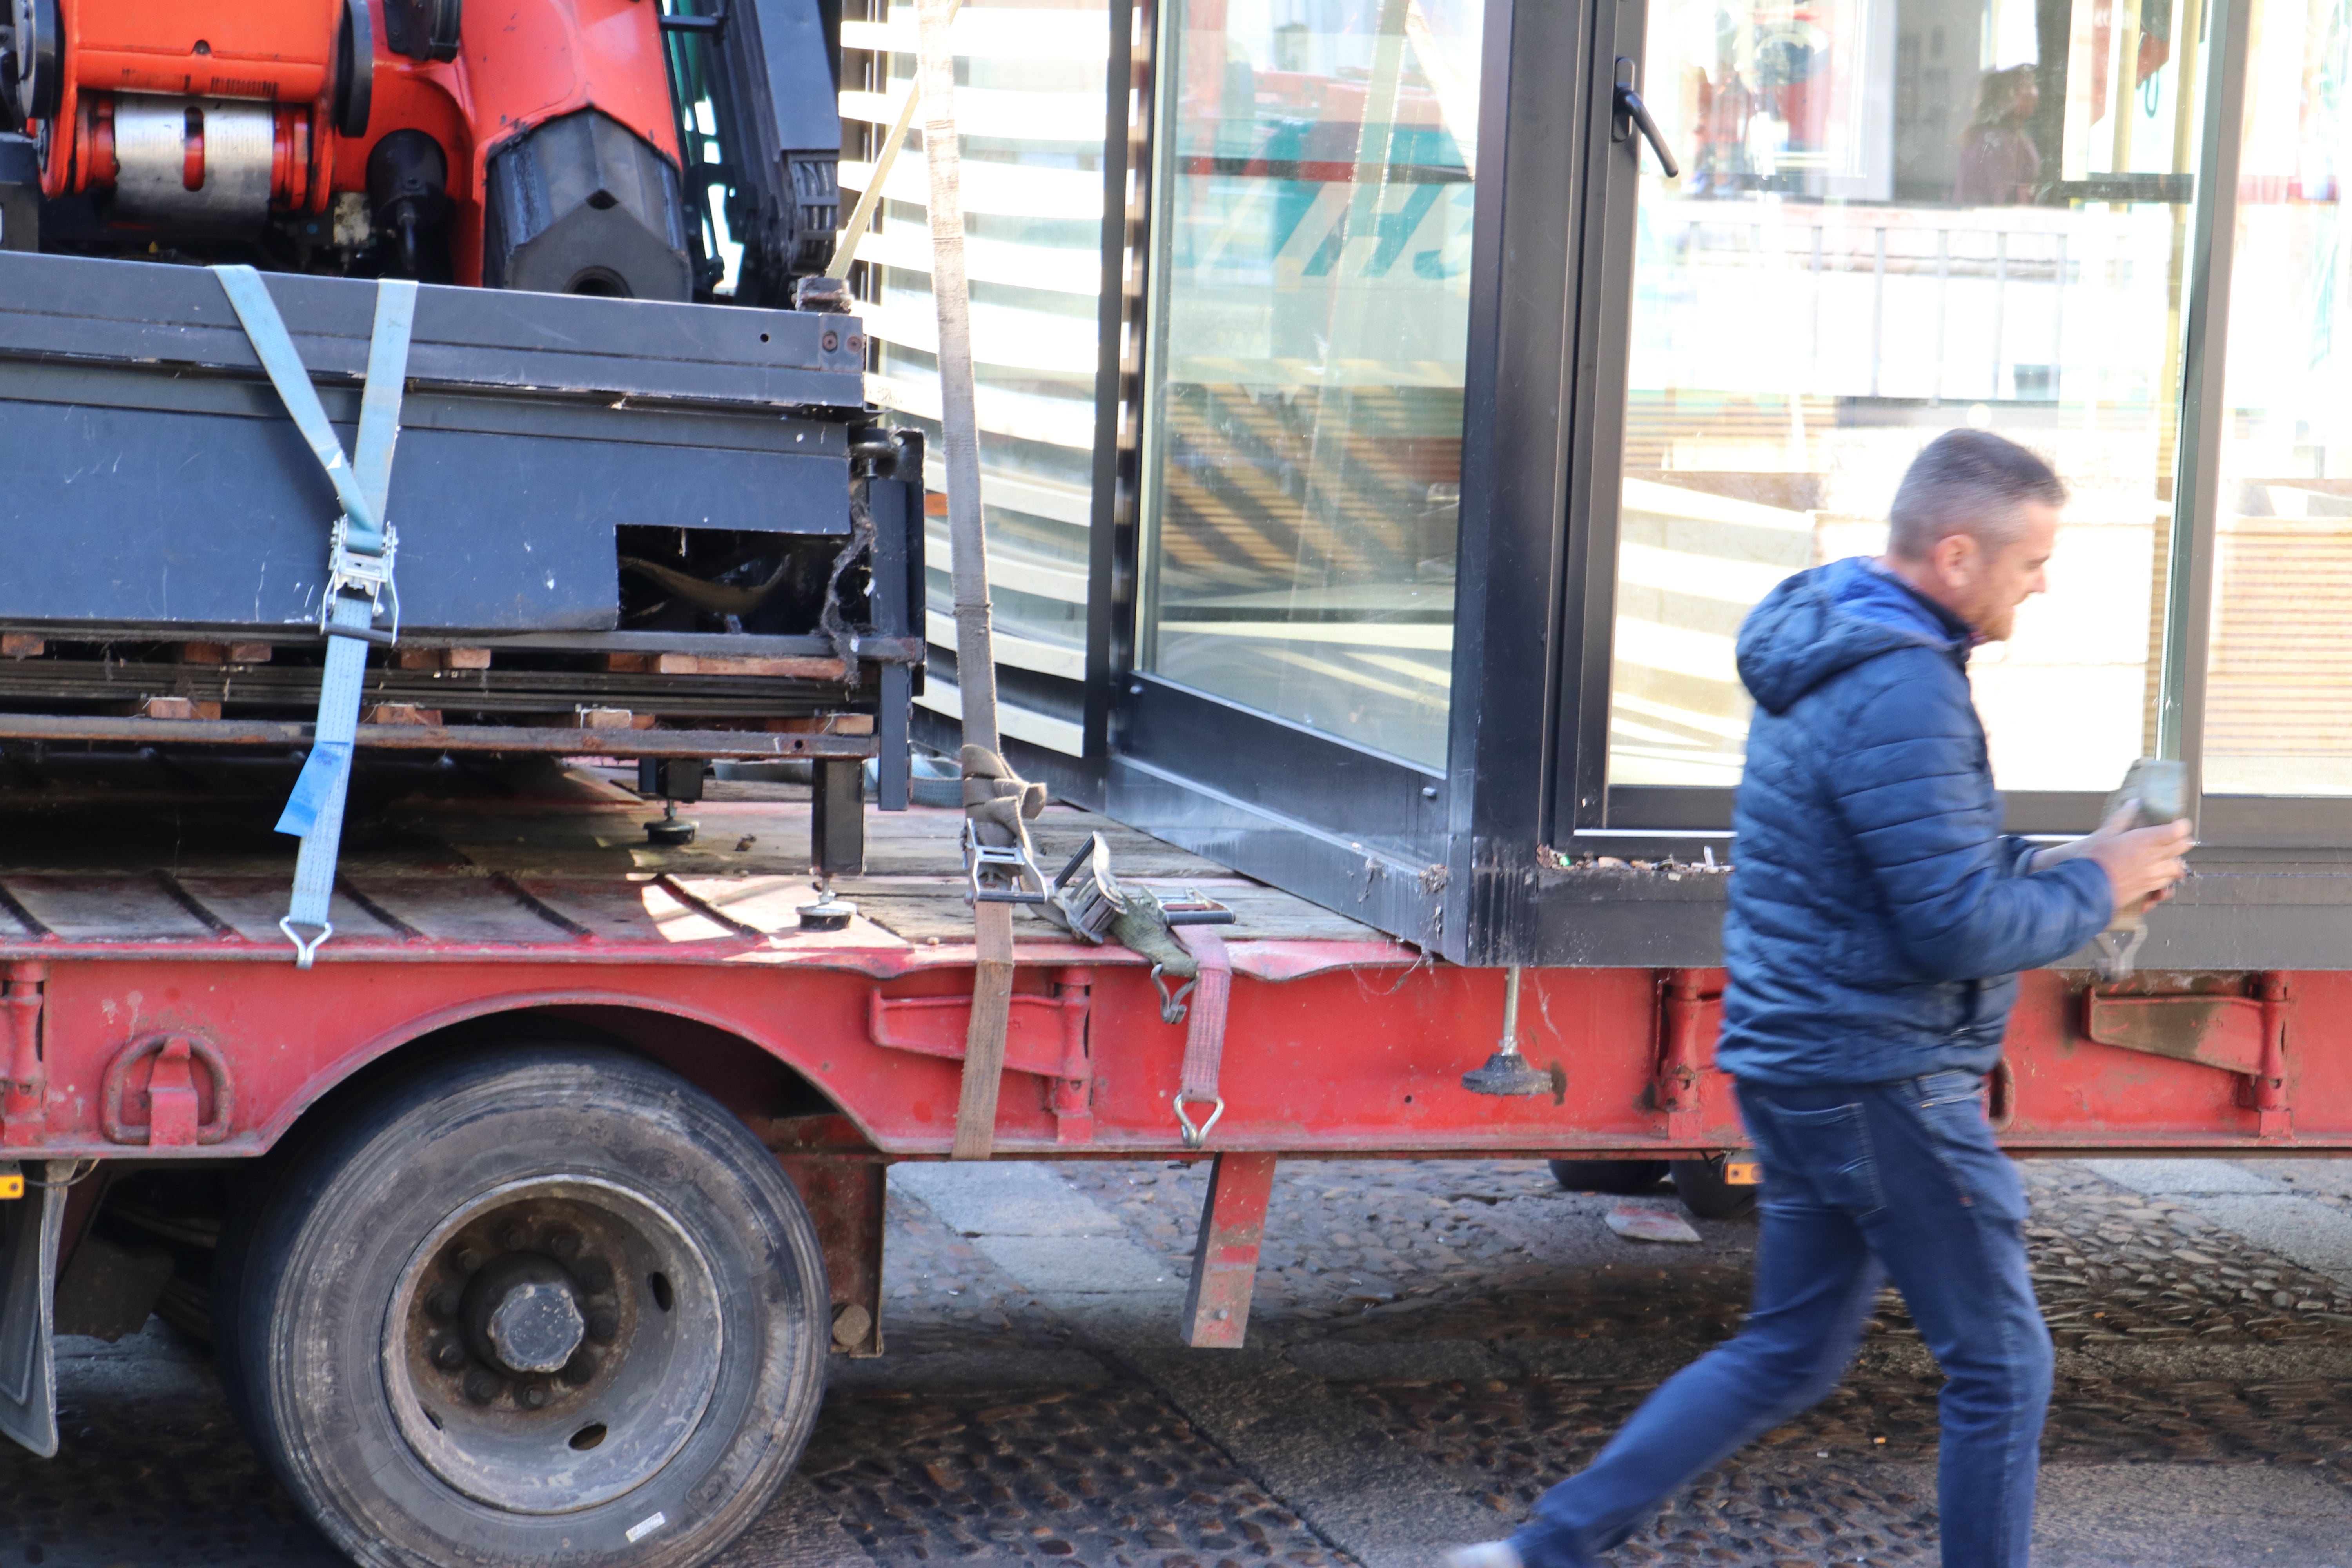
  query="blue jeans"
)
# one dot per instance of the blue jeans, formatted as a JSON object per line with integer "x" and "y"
{"x": 1862, "y": 1182}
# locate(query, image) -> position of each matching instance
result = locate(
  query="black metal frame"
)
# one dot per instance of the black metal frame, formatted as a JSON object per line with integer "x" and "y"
{"x": 1477, "y": 863}
{"x": 1358, "y": 831}
{"x": 1590, "y": 816}
{"x": 1586, "y": 816}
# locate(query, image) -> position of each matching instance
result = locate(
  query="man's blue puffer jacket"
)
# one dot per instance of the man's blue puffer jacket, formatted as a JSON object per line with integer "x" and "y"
{"x": 1878, "y": 917}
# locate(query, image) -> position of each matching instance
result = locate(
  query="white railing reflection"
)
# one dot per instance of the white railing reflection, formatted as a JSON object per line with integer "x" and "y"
{"x": 1976, "y": 305}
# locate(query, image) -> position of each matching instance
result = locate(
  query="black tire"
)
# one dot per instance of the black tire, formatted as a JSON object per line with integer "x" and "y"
{"x": 1700, "y": 1184}
{"x": 392, "y": 1282}
{"x": 1619, "y": 1178}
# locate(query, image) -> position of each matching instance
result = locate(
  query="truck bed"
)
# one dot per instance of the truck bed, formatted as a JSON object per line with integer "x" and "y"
{"x": 124, "y": 854}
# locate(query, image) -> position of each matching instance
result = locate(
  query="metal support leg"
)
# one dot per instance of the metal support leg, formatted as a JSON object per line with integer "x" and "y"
{"x": 1224, "y": 1263}
{"x": 837, "y": 824}
{"x": 844, "y": 1198}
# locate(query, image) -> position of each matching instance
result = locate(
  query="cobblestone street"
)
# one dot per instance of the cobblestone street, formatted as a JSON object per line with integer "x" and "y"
{"x": 1432, "y": 1344}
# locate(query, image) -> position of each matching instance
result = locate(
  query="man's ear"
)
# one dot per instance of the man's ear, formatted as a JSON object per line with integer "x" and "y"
{"x": 1957, "y": 559}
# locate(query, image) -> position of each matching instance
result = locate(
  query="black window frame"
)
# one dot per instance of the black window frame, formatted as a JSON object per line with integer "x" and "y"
{"x": 1590, "y": 816}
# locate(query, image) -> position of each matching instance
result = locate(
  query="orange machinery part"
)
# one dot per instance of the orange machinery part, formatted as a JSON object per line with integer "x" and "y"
{"x": 519, "y": 65}
{"x": 279, "y": 51}
{"x": 283, "y": 50}
{"x": 290, "y": 183}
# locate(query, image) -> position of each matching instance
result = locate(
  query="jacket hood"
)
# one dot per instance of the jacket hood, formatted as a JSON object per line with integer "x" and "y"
{"x": 1825, "y": 620}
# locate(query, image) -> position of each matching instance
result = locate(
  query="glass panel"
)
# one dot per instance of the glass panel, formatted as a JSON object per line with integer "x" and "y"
{"x": 1310, "y": 308}
{"x": 1897, "y": 217}
{"x": 2278, "y": 704}
{"x": 1029, "y": 102}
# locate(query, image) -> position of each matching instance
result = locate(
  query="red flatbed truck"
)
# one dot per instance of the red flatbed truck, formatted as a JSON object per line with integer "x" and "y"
{"x": 548, "y": 1189}
{"x": 528, "y": 1218}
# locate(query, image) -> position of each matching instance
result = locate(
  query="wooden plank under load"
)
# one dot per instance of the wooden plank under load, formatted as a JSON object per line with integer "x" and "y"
{"x": 625, "y": 527}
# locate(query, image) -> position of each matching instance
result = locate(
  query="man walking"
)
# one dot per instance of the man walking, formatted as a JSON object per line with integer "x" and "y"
{"x": 1878, "y": 917}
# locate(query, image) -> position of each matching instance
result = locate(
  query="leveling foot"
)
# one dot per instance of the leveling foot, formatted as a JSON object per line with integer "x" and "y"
{"x": 1507, "y": 1072}
{"x": 669, "y": 832}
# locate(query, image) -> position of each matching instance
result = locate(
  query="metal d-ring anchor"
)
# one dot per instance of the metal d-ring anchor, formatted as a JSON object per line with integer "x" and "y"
{"x": 305, "y": 952}
{"x": 2119, "y": 951}
{"x": 1172, "y": 1004}
{"x": 1194, "y": 1137}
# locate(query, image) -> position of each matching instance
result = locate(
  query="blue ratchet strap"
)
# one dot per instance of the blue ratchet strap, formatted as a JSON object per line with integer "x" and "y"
{"x": 359, "y": 571}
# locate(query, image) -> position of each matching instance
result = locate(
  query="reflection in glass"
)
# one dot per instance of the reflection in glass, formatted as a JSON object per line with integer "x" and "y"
{"x": 2278, "y": 702}
{"x": 1897, "y": 217}
{"x": 1303, "y": 446}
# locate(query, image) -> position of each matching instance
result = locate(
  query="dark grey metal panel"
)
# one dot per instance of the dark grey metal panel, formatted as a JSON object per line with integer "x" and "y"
{"x": 1671, "y": 808}
{"x": 78, "y": 308}
{"x": 1517, "y": 463}
{"x": 1112, "y": 543}
{"x": 897, "y": 508}
{"x": 1286, "y": 770}
{"x": 1401, "y": 897}
{"x": 183, "y": 521}
{"x": 802, "y": 92}
{"x": 2287, "y": 913}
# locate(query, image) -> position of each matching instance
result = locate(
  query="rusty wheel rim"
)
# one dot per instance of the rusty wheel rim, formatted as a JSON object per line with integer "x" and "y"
{"x": 552, "y": 1343}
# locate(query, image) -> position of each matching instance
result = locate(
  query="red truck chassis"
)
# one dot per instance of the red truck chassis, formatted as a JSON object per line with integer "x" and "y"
{"x": 843, "y": 1051}
{"x": 473, "y": 1200}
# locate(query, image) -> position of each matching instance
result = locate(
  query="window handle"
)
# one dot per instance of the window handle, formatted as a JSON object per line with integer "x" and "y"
{"x": 1634, "y": 114}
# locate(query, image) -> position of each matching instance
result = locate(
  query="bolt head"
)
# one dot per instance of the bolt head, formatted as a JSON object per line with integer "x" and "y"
{"x": 466, "y": 1259}
{"x": 534, "y": 1396}
{"x": 482, "y": 1385}
{"x": 514, "y": 1238}
{"x": 603, "y": 1325}
{"x": 448, "y": 1354}
{"x": 596, "y": 1277}
{"x": 563, "y": 1243}
{"x": 535, "y": 1326}
{"x": 443, "y": 1303}
{"x": 581, "y": 1369}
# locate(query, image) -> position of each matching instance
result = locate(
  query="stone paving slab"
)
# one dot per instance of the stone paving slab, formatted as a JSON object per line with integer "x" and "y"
{"x": 2181, "y": 1516}
{"x": 2285, "y": 1211}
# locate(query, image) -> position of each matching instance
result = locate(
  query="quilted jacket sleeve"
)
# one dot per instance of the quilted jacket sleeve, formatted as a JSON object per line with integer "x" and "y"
{"x": 1907, "y": 781}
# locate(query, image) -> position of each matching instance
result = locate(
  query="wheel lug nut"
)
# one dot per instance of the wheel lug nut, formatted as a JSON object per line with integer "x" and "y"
{"x": 534, "y": 1396}
{"x": 514, "y": 1238}
{"x": 594, "y": 1276}
{"x": 443, "y": 1303}
{"x": 603, "y": 1325}
{"x": 482, "y": 1385}
{"x": 581, "y": 1369}
{"x": 563, "y": 1243}
{"x": 465, "y": 1260}
{"x": 448, "y": 1354}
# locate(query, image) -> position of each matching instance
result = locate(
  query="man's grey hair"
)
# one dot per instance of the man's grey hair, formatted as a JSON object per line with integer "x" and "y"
{"x": 1967, "y": 481}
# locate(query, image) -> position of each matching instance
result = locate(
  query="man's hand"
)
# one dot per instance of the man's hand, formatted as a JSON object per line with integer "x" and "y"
{"x": 2141, "y": 863}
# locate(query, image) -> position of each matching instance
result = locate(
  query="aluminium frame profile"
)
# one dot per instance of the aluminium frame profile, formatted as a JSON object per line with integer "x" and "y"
{"x": 1589, "y": 816}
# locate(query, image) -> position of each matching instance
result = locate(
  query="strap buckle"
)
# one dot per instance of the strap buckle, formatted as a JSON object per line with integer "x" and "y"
{"x": 1194, "y": 1137}
{"x": 360, "y": 572}
{"x": 999, "y": 873}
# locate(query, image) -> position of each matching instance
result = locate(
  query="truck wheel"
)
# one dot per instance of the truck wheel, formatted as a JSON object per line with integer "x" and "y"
{"x": 550, "y": 1305}
{"x": 1700, "y": 1184}
{"x": 1619, "y": 1178}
